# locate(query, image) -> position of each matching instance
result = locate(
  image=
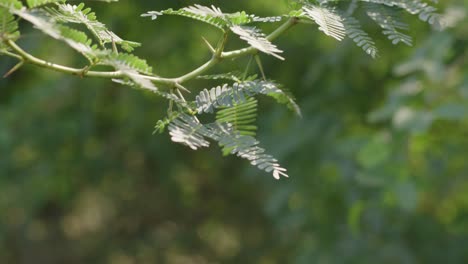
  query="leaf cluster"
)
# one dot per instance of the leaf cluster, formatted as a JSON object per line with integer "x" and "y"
{"x": 233, "y": 106}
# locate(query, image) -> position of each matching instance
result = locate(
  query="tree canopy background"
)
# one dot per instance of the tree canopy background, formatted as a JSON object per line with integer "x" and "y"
{"x": 377, "y": 163}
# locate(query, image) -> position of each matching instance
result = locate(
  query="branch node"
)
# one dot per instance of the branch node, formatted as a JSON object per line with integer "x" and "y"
{"x": 219, "y": 50}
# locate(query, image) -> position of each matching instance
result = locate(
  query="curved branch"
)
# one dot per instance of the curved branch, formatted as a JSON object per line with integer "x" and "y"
{"x": 76, "y": 71}
{"x": 217, "y": 57}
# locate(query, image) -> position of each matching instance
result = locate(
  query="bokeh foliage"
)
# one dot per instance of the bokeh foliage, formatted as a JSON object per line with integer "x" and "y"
{"x": 377, "y": 163}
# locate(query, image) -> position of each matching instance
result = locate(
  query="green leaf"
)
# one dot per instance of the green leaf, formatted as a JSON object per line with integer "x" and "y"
{"x": 425, "y": 12}
{"x": 8, "y": 27}
{"x": 74, "y": 38}
{"x": 228, "y": 96}
{"x": 219, "y": 97}
{"x": 338, "y": 23}
{"x": 257, "y": 39}
{"x": 78, "y": 14}
{"x": 246, "y": 147}
{"x": 132, "y": 67}
{"x": 285, "y": 98}
{"x": 328, "y": 20}
{"x": 126, "y": 60}
{"x": 390, "y": 21}
{"x": 213, "y": 16}
{"x": 189, "y": 131}
{"x": 360, "y": 37}
{"x": 241, "y": 116}
{"x": 79, "y": 41}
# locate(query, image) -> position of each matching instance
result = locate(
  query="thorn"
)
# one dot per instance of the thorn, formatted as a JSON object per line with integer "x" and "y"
{"x": 260, "y": 67}
{"x": 12, "y": 70}
{"x": 179, "y": 86}
{"x": 221, "y": 45}
{"x": 247, "y": 68}
{"x": 209, "y": 46}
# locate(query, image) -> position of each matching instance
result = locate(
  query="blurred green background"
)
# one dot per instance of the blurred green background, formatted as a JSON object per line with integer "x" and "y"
{"x": 378, "y": 163}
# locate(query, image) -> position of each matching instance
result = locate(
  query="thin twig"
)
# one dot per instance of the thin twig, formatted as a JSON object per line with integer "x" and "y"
{"x": 179, "y": 86}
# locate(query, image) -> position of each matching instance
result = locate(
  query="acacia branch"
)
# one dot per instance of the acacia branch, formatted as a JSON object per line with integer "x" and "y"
{"x": 217, "y": 57}
{"x": 28, "y": 58}
{"x": 221, "y": 55}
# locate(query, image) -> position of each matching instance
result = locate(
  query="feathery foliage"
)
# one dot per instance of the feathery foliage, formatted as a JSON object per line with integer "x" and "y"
{"x": 360, "y": 37}
{"x": 75, "y": 39}
{"x": 327, "y": 19}
{"x": 246, "y": 147}
{"x": 219, "y": 97}
{"x": 189, "y": 131}
{"x": 78, "y": 14}
{"x": 234, "y": 22}
{"x": 257, "y": 39}
{"x": 8, "y": 27}
{"x": 388, "y": 20}
{"x": 241, "y": 116}
{"x": 213, "y": 16}
{"x": 130, "y": 66}
{"x": 234, "y": 107}
{"x": 425, "y": 12}
{"x": 124, "y": 61}
{"x": 228, "y": 96}
{"x": 336, "y": 19}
